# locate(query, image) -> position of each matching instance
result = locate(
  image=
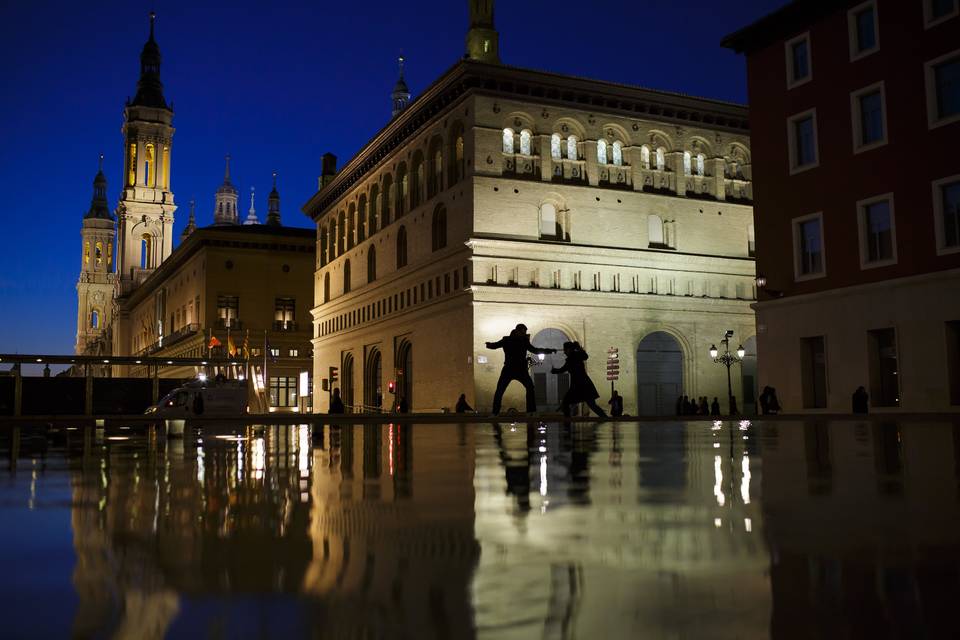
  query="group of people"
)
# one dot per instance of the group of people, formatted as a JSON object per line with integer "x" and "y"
{"x": 698, "y": 406}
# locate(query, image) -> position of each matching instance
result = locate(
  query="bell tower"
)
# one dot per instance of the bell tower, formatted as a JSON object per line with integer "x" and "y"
{"x": 482, "y": 39}
{"x": 96, "y": 284}
{"x": 145, "y": 212}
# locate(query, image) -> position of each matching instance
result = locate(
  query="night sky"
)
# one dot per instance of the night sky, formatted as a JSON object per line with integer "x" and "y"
{"x": 275, "y": 85}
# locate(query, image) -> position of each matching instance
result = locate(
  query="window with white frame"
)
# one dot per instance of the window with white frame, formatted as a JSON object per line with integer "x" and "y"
{"x": 686, "y": 163}
{"x": 617, "y": 148}
{"x": 525, "y": 142}
{"x": 799, "y": 67}
{"x": 943, "y": 89}
{"x": 946, "y": 207}
{"x": 661, "y": 159}
{"x": 601, "y": 151}
{"x": 936, "y": 11}
{"x": 802, "y": 141}
{"x": 875, "y": 219}
{"x": 864, "y": 28}
{"x": 645, "y": 157}
{"x": 508, "y": 140}
{"x": 571, "y": 147}
{"x": 868, "y": 113}
{"x": 655, "y": 232}
{"x": 555, "y": 146}
{"x": 808, "y": 250}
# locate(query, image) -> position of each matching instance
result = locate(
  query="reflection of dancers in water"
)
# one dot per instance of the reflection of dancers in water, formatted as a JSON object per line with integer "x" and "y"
{"x": 581, "y": 387}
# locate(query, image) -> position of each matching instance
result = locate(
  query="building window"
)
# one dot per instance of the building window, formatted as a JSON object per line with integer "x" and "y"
{"x": 802, "y": 141}
{"x": 661, "y": 159}
{"x": 701, "y": 162}
{"x": 274, "y": 352}
{"x": 401, "y": 247}
{"x": 508, "y": 140}
{"x": 371, "y": 264}
{"x": 571, "y": 147}
{"x": 751, "y": 241}
{"x": 284, "y": 314}
{"x": 943, "y": 89}
{"x": 601, "y": 151}
{"x": 868, "y": 110}
{"x": 645, "y": 157}
{"x": 439, "y": 228}
{"x": 799, "y": 67}
{"x": 946, "y": 208}
{"x": 346, "y": 276}
{"x": 551, "y": 227}
{"x": 686, "y": 163}
{"x": 808, "y": 251}
{"x": 326, "y": 287}
{"x": 525, "y": 142}
{"x": 883, "y": 366}
{"x": 936, "y": 11}
{"x": 617, "y": 150}
{"x": 283, "y": 391}
{"x": 813, "y": 370}
{"x": 94, "y": 319}
{"x": 864, "y": 29}
{"x": 878, "y": 245}
{"x": 294, "y": 352}
{"x": 555, "y": 146}
{"x": 228, "y": 311}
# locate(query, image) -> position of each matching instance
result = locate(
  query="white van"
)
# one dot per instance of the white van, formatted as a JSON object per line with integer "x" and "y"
{"x": 199, "y": 399}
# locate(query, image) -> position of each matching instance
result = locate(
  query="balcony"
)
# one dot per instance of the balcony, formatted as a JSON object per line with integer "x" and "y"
{"x": 169, "y": 340}
{"x": 518, "y": 165}
{"x": 285, "y": 325}
{"x": 233, "y": 324}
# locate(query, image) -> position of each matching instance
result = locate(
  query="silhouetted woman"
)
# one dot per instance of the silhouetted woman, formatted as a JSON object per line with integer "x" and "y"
{"x": 581, "y": 387}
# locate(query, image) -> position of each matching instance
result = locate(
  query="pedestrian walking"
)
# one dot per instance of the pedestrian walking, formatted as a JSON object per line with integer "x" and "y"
{"x": 861, "y": 401}
{"x": 715, "y": 407}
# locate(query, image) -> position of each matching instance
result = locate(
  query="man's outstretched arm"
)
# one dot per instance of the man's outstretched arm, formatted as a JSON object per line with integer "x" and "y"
{"x": 533, "y": 349}
{"x": 495, "y": 345}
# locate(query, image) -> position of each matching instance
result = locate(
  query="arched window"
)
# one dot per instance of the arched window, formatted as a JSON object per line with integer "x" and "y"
{"x": 385, "y": 200}
{"x": 601, "y": 151}
{"x": 326, "y": 287}
{"x": 346, "y": 276}
{"x": 341, "y": 233}
{"x": 94, "y": 319}
{"x": 508, "y": 140}
{"x": 525, "y": 142}
{"x": 549, "y": 227}
{"x": 571, "y": 147}
{"x": 555, "y": 146}
{"x": 149, "y": 166}
{"x": 686, "y": 163}
{"x": 98, "y": 253}
{"x": 436, "y": 179}
{"x": 439, "y": 228}
{"x": 332, "y": 240}
{"x": 700, "y": 163}
{"x": 372, "y": 215}
{"x": 655, "y": 231}
{"x": 132, "y": 165}
{"x": 110, "y": 254}
{"x": 323, "y": 245}
{"x": 661, "y": 159}
{"x": 645, "y": 157}
{"x": 146, "y": 251}
{"x": 401, "y": 247}
{"x": 351, "y": 226}
{"x": 457, "y": 160}
{"x": 416, "y": 180}
{"x": 86, "y": 252}
{"x": 371, "y": 264}
{"x": 617, "y": 153}
{"x": 362, "y": 219}
{"x": 401, "y": 190}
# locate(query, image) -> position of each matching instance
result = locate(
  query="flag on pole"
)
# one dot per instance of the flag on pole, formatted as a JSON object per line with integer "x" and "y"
{"x": 246, "y": 345}
{"x": 213, "y": 342}
{"x": 231, "y": 347}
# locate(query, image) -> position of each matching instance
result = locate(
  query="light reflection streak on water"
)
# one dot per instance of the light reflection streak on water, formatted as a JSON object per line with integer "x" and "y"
{"x": 259, "y": 457}
{"x": 718, "y": 481}
{"x": 390, "y": 447}
{"x": 239, "y": 461}
{"x": 200, "y": 466}
{"x": 543, "y": 474}
{"x": 745, "y": 479}
{"x": 303, "y": 450}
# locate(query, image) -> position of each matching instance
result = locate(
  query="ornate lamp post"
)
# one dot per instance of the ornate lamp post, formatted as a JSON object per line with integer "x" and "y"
{"x": 728, "y": 360}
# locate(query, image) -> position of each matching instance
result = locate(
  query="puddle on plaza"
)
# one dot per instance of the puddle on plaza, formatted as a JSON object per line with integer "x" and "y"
{"x": 732, "y": 530}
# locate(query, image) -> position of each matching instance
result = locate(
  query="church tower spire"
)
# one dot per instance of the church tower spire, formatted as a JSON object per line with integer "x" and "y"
{"x": 482, "y": 38}
{"x": 227, "y": 198}
{"x": 145, "y": 212}
{"x": 273, "y": 205}
{"x": 96, "y": 283}
{"x": 252, "y": 213}
{"x": 191, "y": 222}
{"x": 401, "y": 93}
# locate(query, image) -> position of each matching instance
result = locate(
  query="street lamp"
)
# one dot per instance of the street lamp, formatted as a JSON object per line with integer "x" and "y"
{"x": 727, "y": 359}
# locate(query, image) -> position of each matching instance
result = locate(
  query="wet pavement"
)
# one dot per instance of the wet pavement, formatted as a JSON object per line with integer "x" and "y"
{"x": 653, "y": 530}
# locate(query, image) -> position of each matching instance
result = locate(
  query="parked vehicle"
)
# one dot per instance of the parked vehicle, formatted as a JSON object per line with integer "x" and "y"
{"x": 202, "y": 399}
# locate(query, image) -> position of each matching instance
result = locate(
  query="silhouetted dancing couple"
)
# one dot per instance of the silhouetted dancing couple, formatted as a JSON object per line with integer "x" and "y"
{"x": 515, "y": 367}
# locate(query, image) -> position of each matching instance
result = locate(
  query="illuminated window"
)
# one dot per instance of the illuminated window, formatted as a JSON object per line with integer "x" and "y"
{"x": 294, "y": 352}
{"x": 228, "y": 310}
{"x": 525, "y": 142}
{"x": 686, "y": 163}
{"x": 146, "y": 251}
{"x": 555, "y": 146}
{"x": 617, "y": 153}
{"x": 149, "y": 166}
{"x": 571, "y": 147}
{"x": 508, "y": 140}
{"x": 283, "y": 389}
{"x": 166, "y": 168}
{"x": 98, "y": 253}
{"x": 601, "y": 151}
{"x": 284, "y": 313}
{"x": 132, "y": 165}
{"x": 661, "y": 159}
{"x": 86, "y": 252}
{"x": 110, "y": 254}
{"x": 645, "y": 157}
{"x": 655, "y": 231}
{"x": 94, "y": 319}
{"x": 700, "y": 164}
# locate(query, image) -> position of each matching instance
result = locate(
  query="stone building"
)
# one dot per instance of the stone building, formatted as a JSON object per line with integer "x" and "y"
{"x": 859, "y": 251}
{"x": 247, "y": 285}
{"x": 591, "y": 211}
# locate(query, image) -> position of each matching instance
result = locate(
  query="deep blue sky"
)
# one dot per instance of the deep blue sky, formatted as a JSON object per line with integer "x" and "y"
{"x": 276, "y": 85}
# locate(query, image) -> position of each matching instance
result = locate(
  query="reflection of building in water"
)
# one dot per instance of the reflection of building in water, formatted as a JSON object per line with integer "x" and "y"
{"x": 602, "y": 529}
{"x": 155, "y": 525}
{"x": 393, "y": 543}
{"x": 863, "y": 522}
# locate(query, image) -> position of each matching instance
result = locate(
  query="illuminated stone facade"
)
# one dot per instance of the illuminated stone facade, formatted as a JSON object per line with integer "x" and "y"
{"x": 587, "y": 210}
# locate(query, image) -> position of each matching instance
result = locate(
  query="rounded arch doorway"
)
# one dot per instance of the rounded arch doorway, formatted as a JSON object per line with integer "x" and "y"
{"x": 405, "y": 374}
{"x": 549, "y": 388}
{"x": 346, "y": 382}
{"x": 659, "y": 374}
{"x": 372, "y": 375}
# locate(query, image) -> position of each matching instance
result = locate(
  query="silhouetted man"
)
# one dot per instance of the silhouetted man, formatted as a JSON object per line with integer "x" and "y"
{"x": 515, "y": 348}
{"x": 336, "y": 403}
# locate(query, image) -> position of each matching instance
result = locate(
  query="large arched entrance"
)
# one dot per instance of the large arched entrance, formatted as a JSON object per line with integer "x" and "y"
{"x": 550, "y": 388}
{"x": 405, "y": 373}
{"x": 748, "y": 369}
{"x": 659, "y": 374}
{"x": 372, "y": 375}
{"x": 346, "y": 382}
